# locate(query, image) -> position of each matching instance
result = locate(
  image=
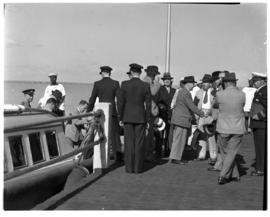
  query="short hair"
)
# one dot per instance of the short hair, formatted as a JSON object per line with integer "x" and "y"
{"x": 83, "y": 102}
{"x": 51, "y": 101}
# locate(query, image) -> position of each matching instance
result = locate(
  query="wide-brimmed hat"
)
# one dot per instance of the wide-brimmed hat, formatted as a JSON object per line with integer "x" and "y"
{"x": 207, "y": 78}
{"x": 189, "y": 79}
{"x": 152, "y": 71}
{"x": 159, "y": 124}
{"x": 107, "y": 69}
{"x": 167, "y": 76}
{"x": 230, "y": 77}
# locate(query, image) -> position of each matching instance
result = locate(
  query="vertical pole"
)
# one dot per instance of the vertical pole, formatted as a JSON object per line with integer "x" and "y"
{"x": 168, "y": 44}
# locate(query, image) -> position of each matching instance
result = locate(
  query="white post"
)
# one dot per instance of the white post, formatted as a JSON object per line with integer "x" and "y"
{"x": 168, "y": 44}
{"x": 101, "y": 157}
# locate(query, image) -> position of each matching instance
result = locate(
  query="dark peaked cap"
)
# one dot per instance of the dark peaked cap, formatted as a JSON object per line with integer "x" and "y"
{"x": 105, "y": 69}
{"x": 135, "y": 67}
{"x": 29, "y": 91}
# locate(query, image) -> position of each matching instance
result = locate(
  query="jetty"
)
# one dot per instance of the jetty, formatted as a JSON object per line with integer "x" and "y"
{"x": 165, "y": 186}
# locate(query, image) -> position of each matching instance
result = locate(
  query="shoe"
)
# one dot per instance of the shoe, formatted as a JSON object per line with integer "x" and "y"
{"x": 212, "y": 162}
{"x": 199, "y": 159}
{"x": 213, "y": 169}
{"x": 183, "y": 162}
{"x": 173, "y": 161}
{"x": 222, "y": 180}
{"x": 235, "y": 179}
{"x": 257, "y": 173}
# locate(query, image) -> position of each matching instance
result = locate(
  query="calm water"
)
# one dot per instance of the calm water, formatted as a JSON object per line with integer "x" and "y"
{"x": 74, "y": 92}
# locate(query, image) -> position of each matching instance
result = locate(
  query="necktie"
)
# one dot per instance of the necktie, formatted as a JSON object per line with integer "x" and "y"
{"x": 205, "y": 99}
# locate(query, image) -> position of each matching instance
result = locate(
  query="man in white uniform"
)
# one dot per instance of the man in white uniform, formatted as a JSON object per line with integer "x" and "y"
{"x": 48, "y": 93}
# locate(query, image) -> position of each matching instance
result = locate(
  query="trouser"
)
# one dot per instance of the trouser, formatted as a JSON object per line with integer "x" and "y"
{"x": 259, "y": 135}
{"x": 179, "y": 142}
{"x": 229, "y": 145}
{"x": 115, "y": 136}
{"x": 134, "y": 147}
{"x": 211, "y": 141}
{"x": 149, "y": 141}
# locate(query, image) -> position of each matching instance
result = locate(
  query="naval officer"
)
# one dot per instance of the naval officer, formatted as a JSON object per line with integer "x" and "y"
{"x": 28, "y": 97}
{"x": 134, "y": 110}
{"x": 106, "y": 90}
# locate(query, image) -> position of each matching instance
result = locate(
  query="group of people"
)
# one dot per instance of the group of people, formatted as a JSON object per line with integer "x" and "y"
{"x": 158, "y": 120}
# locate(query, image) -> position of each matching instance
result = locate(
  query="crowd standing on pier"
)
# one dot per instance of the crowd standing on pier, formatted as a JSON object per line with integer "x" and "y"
{"x": 161, "y": 121}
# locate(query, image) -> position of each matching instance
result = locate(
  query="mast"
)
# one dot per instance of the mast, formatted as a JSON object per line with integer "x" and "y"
{"x": 168, "y": 44}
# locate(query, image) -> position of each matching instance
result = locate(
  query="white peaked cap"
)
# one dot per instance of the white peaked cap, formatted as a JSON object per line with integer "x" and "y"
{"x": 259, "y": 74}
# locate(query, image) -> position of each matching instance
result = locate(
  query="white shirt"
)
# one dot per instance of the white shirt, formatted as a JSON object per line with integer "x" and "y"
{"x": 194, "y": 91}
{"x": 206, "y": 105}
{"x": 48, "y": 94}
{"x": 249, "y": 93}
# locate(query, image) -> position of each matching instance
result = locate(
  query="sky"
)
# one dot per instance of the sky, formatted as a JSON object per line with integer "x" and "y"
{"x": 74, "y": 40}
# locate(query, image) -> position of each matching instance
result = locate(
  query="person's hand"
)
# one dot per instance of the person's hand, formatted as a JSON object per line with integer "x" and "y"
{"x": 147, "y": 125}
{"x": 255, "y": 117}
{"x": 121, "y": 123}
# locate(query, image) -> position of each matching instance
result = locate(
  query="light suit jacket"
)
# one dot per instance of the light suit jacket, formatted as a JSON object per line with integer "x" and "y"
{"x": 184, "y": 108}
{"x": 231, "y": 117}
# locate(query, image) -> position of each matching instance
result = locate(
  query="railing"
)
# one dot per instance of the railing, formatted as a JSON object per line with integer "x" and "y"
{"x": 55, "y": 120}
{"x": 96, "y": 129}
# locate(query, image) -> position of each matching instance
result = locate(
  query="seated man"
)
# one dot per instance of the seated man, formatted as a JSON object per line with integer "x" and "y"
{"x": 73, "y": 130}
{"x": 50, "y": 104}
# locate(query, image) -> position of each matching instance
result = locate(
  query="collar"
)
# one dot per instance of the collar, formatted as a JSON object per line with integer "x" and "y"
{"x": 260, "y": 87}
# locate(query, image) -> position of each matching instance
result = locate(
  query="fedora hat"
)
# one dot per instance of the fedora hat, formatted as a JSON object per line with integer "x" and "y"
{"x": 189, "y": 79}
{"x": 159, "y": 124}
{"x": 207, "y": 78}
{"x": 152, "y": 71}
{"x": 229, "y": 77}
{"x": 30, "y": 92}
{"x": 167, "y": 76}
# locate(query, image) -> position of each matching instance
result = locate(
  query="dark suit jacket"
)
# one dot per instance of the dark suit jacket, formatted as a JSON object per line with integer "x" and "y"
{"x": 134, "y": 102}
{"x": 259, "y": 107}
{"x": 163, "y": 100}
{"x": 106, "y": 90}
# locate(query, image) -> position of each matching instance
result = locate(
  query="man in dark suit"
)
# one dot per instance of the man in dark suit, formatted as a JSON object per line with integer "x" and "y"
{"x": 163, "y": 99}
{"x": 134, "y": 109}
{"x": 258, "y": 122}
{"x": 106, "y": 90}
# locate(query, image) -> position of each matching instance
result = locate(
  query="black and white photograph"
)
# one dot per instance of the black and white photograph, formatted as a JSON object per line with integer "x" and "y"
{"x": 139, "y": 106}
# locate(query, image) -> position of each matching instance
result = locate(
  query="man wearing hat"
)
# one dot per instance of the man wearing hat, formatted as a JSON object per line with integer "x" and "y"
{"x": 54, "y": 85}
{"x": 106, "y": 90}
{"x": 181, "y": 119}
{"x": 164, "y": 98}
{"x": 230, "y": 127}
{"x": 204, "y": 100}
{"x": 152, "y": 138}
{"x": 133, "y": 105}
{"x": 28, "y": 97}
{"x": 258, "y": 122}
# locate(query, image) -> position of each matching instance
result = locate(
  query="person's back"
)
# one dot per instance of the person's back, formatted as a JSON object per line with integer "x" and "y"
{"x": 135, "y": 93}
{"x": 231, "y": 118}
{"x": 106, "y": 90}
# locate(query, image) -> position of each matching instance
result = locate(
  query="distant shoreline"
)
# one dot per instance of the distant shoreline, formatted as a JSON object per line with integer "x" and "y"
{"x": 41, "y": 82}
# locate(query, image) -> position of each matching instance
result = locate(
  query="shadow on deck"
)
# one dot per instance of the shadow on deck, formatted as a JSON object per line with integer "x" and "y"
{"x": 165, "y": 186}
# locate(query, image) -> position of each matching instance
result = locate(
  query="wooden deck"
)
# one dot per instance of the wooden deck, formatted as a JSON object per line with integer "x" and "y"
{"x": 172, "y": 187}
